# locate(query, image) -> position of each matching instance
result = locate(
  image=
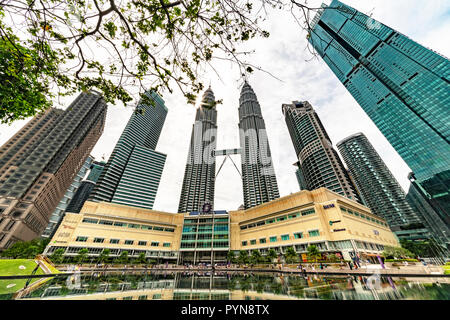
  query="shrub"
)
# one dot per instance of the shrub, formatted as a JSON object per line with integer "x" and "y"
{"x": 401, "y": 260}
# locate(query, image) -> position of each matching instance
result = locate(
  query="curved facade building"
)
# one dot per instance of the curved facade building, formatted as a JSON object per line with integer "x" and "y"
{"x": 199, "y": 175}
{"x": 319, "y": 164}
{"x": 258, "y": 175}
{"x": 133, "y": 171}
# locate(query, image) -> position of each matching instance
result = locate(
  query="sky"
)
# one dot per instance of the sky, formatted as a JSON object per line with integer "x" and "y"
{"x": 284, "y": 55}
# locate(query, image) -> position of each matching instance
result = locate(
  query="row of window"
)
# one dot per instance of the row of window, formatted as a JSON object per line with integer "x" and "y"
{"x": 205, "y": 228}
{"x": 205, "y": 220}
{"x": 127, "y": 242}
{"x": 284, "y": 237}
{"x": 207, "y": 244}
{"x": 357, "y": 214}
{"x": 279, "y": 219}
{"x": 127, "y": 225}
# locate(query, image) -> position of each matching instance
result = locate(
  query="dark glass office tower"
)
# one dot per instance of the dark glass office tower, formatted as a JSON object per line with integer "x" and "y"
{"x": 71, "y": 192}
{"x": 377, "y": 186}
{"x": 417, "y": 198}
{"x": 319, "y": 163}
{"x": 300, "y": 179}
{"x": 258, "y": 175}
{"x": 42, "y": 160}
{"x": 133, "y": 171}
{"x": 402, "y": 86}
{"x": 199, "y": 176}
{"x": 86, "y": 187}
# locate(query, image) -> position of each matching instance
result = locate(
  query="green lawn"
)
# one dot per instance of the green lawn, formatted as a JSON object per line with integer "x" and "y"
{"x": 446, "y": 269}
{"x": 12, "y": 267}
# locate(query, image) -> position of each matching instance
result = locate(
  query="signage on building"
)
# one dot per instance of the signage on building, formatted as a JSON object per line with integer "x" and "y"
{"x": 206, "y": 209}
{"x": 327, "y": 206}
{"x": 376, "y": 232}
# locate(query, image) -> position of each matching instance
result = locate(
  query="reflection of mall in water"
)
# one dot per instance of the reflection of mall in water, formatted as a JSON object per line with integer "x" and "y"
{"x": 229, "y": 286}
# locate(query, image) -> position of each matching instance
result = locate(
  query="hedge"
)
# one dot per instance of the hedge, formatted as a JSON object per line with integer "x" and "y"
{"x": 401, "y": 260}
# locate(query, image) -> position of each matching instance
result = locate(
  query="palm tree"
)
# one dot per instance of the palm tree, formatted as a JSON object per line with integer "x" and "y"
{"x": 57, "y": 256}
{"x": 82, "y": 255}
{"x": 256, "y": 256}
{"x": 243, "y": 256}
{"x": 123, "y": 258}
{"x": 104, "y": 255}
{"x": 271, "y": 254}
{"x": 313, "y": 252}
{"x": 141, "y": 258}
{"x": 290, "y": 255}
{"x": 231, "y": 257}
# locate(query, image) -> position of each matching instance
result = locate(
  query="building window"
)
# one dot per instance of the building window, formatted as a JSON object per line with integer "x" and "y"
{"x": 129, "y": 242}
{"x": 158, "y": 228}
{"x": 142, "y": 298}
{"x": 115, "y": 241}
{"x": 166, "y": 244}
{"x": 142, "y": 243}
{"x": 262, "y": 240}
{"x": 120, "y": 224}
{"x": 284, "y": 237}
{"x": 252, "y": 242}
{"x": 81, "y": 239}
{"x": 273, "y": 239}
{"x": 106, "y": 222}
{"x": 99, "y": 240}
{"x": 308, "y": 212}
{"x": 155, "y": 244}
{"x": 314, "y": 233}
{"x": 134, "y": 226}
{"x": 298, "y": 235}
{"x": 244, "y": 243}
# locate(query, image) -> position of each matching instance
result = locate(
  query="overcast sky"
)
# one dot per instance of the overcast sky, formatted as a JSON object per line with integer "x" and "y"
{"x": 284, "y": 54}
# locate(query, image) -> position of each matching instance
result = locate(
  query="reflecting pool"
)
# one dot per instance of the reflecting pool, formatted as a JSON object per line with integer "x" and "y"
{"x": 166, "y": 285}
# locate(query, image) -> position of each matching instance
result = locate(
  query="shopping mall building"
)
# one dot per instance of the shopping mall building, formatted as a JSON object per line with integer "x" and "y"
{"x": 321, "y": 217}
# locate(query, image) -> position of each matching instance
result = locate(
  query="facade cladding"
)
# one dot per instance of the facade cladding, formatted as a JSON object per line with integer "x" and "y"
{"x": 57, "y": 215}
{"x": 331, "y": 222}
{"x": 377, "y": 186}
{"x": 300, "y": 179}
{"x": 319, "y": 164}
{"x": 205, "y": 237}
{"x": 402, "y": 86}
{"x": 37, "y": 176}
{"x": 199, "y": 175}
{"x": 258, "y": 176}
{"x": 134, "y": 168}
{"x": 86, "y": 187}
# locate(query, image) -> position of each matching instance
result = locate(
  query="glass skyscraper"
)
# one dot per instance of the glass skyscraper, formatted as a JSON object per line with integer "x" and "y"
{"x": 86, "y": 187}
{"x": 200, "y": 174}
{"x": 378, "y": 188}
{"x": 258, "y": 175}
{"x": 402, "y": 86}
{"x": 133, "y": 172}
{"x": 318, "y": 163}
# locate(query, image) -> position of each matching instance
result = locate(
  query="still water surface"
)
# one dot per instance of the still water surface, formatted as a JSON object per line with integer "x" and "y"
{"x": 236, "y": 286}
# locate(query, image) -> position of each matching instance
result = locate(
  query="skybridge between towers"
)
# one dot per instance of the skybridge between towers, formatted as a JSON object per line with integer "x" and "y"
{"x": 227, "y": 153}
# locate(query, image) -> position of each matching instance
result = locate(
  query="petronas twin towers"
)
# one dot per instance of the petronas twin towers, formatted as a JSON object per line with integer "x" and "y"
{"x": 258, "y": 175}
